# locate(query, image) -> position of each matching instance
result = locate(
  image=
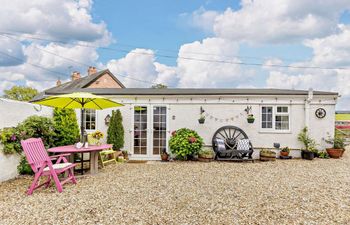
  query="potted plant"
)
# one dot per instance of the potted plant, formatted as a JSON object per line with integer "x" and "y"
{"x": 267, "y": 155}
{"x": 201, "y": 119}
{"x": 164, "y": 155}
{"x": 97, "y": 135}
{"x": 338, "y": 147}
{"x": 250, "y": 118}
{"x": 125, "y": 154}
{"x": 323, "y": 155}
{"x": 205, "y": 155}
{"x": 185, "y": 143}
{"x": 285, "y": 151}
{"x": 309, "y": 143}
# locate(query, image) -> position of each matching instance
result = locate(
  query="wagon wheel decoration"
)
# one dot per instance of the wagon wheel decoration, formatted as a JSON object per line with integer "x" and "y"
{"x": 320, "y": 113}
{"x": 230, "y": 134}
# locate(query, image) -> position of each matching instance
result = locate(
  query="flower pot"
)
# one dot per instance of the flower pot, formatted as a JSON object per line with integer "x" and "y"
{"x": 164, "y": 156}
{"x": 250, "y": 120}
{"x": 307, "y": 155}
{"x": 267, "y": 156}
{"x": 284, "y": 153}
{"x": 205, "y": 157}
{"x": 335, "y": 153}
{"x": 201, "y": 120}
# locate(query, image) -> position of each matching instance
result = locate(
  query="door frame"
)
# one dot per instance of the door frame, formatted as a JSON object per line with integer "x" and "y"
{"x": 149, "y": 155}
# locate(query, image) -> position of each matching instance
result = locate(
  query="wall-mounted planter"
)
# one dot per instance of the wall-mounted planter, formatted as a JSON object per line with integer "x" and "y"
{"x": 201, "y": 120}
{"x": 250, "y": 120}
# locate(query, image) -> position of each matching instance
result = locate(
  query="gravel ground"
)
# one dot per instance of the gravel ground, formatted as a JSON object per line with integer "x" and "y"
{"x": 281, "y": 192}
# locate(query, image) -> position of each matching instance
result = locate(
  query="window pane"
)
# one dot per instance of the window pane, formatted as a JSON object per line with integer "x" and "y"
{"x": 282, "y": 109}
{"x": 282, "y": 123}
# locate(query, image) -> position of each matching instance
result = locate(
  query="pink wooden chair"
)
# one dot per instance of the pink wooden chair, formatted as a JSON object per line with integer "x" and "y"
{"x": 41, "y": 164}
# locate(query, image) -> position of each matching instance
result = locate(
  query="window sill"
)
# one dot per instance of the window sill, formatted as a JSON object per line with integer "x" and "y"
{"x": 274, "y": 132}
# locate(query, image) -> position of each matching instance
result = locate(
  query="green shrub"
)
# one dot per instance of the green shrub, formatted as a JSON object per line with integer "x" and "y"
{"x": 185, "y": 142}
{"x": 65, "y": 126}
{"x": 24, "y": 167}
{"x": 33, "y": 126}
{"x": 115, "y": 132}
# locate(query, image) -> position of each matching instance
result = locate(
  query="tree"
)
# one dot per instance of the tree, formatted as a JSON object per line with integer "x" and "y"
{"x": 159, "y": 86}
{"x": 115, "y": 132}
{"x": 20, "y": 93}
{"x": 66, "y": 127}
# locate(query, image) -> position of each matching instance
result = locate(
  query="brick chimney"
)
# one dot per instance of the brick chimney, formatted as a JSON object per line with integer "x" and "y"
{"x": 75, "y": 75}
{"x": 58, "y": 82}
{"x": 91, "y": 70}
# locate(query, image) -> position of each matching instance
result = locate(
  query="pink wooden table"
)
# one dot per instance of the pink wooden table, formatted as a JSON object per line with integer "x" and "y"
{"x": 93, "y": 149}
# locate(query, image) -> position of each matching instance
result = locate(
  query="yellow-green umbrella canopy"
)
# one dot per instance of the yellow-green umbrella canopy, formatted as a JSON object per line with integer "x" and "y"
{"x": 78, "y": 100}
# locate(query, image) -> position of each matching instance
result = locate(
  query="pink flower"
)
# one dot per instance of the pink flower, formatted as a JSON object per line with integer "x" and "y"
{"x": 192, "y": 139}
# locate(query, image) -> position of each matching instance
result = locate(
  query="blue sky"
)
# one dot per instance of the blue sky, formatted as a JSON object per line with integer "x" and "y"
{"x": 179, "y": 43}
{"x": 155, "y": 24}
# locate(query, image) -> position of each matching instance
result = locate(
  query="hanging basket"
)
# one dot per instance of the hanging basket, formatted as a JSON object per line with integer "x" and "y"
{"x": 201, "y": 120}
{"x": 251, "y": 120}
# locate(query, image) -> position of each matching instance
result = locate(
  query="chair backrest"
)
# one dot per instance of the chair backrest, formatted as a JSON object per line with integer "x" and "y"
{"x": 35, "y": 152}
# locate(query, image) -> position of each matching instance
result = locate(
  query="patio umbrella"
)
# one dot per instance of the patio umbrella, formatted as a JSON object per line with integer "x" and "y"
{"x": 78, "y": 100}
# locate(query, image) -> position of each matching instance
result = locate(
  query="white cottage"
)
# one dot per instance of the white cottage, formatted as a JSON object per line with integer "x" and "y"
{"x": 150, "y": 115}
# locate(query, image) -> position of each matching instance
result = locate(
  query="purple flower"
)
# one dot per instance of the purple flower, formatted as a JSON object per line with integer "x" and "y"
{"x": 13, "y": 137}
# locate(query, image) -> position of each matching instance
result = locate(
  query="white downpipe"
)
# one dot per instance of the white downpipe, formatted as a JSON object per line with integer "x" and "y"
{"x": 307, "y": 107}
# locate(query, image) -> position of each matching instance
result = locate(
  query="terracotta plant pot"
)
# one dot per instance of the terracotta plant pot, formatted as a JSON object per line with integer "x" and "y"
{"x": 335, "y": 153}
{"x": 164, "y": 157}
{"x": 284, "y": 153}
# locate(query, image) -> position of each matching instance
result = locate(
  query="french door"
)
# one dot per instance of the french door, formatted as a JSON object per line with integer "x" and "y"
{"x": 150, "y": 133}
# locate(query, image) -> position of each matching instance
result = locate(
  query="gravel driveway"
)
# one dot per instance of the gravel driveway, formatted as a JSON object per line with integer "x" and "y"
{"x": 281, "y": 192}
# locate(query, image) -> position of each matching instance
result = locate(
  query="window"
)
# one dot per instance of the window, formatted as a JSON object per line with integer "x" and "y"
{"x": 275, "y": 118}
{"x": 282, "y": 118}
{"x": 266, "y": 117}
{"x": 90, "y": 119}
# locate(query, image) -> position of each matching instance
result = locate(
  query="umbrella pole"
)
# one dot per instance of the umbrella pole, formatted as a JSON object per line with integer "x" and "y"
{"x": 82, "y": 128}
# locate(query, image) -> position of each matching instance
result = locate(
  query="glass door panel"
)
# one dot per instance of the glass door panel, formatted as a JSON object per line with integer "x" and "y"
{"x": 159, "y": 129}
{"x": 140, "y": 130}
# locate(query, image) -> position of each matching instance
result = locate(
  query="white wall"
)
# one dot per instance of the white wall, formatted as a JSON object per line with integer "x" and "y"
{"x": 12, "y": 113}
{"x": 186, "y": 111}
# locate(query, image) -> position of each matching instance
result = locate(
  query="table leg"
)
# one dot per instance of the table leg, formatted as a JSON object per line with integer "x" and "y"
{"x": 94, "y": 162}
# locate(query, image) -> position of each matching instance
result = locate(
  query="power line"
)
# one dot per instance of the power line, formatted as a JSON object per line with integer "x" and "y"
{"x": 190, "y": 58}
{"x": 79, "y": 62}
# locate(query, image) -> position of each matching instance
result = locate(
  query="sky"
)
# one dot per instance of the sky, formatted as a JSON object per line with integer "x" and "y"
{"x": 288, "y": 44}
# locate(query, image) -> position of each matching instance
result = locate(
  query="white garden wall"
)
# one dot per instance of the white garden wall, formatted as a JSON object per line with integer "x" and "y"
{"x": 12, "y": 113}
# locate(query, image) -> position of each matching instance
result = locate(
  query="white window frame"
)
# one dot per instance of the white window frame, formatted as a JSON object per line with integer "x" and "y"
{"x": 96, "y": 119}
{"x": 274, "y": 114}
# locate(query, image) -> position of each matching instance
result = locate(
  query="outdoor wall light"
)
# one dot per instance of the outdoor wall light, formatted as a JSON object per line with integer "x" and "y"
{"x": 107, "y": 119}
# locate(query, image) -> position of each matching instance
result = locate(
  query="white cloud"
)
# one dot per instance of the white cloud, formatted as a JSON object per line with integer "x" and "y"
{"x": 204, "y": 19}
{"x": 140, "y": 64}
{"x": 66, "y": 20}
{"x": 196, "y": 73}
{"x": 275, "y": 21}
{"x": 332, "y": 51}
{"x": 63, "y": 19}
